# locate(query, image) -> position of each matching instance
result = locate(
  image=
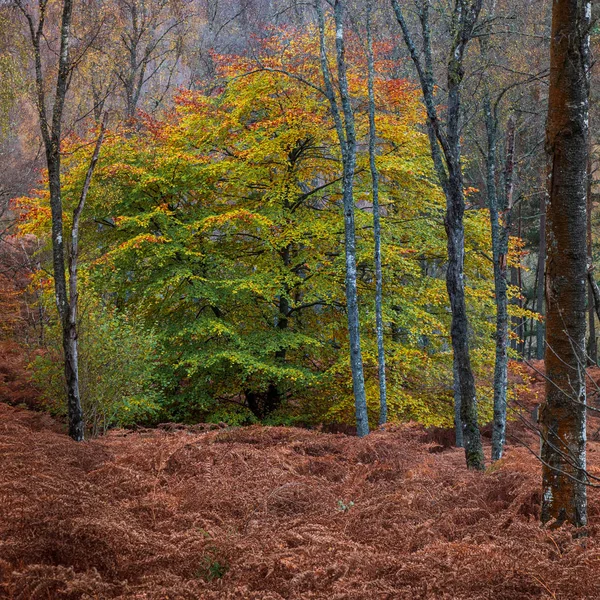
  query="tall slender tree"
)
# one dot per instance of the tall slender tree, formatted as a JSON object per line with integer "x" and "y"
{"x": 383, "y": 409}
{"x": 500, "y": 237}
{"x": 592, "y": 345}
{"x": 563, "y": 415}
{"x": 51, "y": 121}
{"x": 499, "y": 200}
{"x": 540, "y": 332}
{"x": 446, "y": 153}
{"x": 346, "y": 132}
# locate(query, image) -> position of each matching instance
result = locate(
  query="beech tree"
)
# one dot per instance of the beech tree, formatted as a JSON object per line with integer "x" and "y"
{"x": 563, "y": 415}
{"x": 499, "y": 184}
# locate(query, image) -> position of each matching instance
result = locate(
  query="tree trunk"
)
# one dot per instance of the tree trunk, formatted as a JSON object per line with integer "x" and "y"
{"x": 64, "y": 302}
{"x": 595, "y": 291}
{"x": 358, "y": 382}
{"x": 346, "y": 133}
{"x": 509, "y": 189}
{"x": 501, "y": 364}
{"x": 274, "y": 394}
{"x": 500, "y": 236}
{"x": 459, "y": 329}
{"x": 541, "y": 268}
{"x": 446, "y": 155}
{"x": 516, "y": 322}
{"x": 563, "y": 415}
{"x": 76, "y": 425}
{"x": 520, "y": 322}
{"x": 455, "y": 229}
{"x": 592, "y": 347}
{"x": 51, "y": 136}
{"x": 383, "y": 409}
{"x": 460, "y": 441}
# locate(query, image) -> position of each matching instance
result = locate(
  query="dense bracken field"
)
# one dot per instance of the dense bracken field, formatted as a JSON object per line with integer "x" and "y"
{"x": 272, "y": 513}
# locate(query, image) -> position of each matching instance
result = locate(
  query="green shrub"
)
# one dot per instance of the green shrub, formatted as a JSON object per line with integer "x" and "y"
{"x": 117, "y": 358}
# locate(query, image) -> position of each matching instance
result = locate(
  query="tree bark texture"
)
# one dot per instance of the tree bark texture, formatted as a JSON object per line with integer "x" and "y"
{"x": 563, "y": 415}
{"x": 592, "y": 346}
{"x": 70, "y": 328}
{"x": 460, "y": 441}
{"x": 541, "y": 268}
{"x": 595, "y": 292}
{"x": 500, "y": 236}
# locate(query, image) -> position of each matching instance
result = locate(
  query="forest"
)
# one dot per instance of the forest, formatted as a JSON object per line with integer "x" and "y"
{"x": 298, "y": 299}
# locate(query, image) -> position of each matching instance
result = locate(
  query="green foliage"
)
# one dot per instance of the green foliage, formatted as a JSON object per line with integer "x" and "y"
{"x": 343, "y": 507}
{"x": 234, "y": 415}
{"x": 212, "y": 568}
{"x": 116, "y": 367}
{"x": 221, "y": 229}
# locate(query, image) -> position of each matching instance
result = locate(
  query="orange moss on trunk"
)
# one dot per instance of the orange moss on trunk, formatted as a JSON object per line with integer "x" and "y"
{"x": 563, "y": 416}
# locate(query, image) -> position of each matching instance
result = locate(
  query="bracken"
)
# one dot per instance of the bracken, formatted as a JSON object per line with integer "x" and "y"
{"x": 142, "y": 515}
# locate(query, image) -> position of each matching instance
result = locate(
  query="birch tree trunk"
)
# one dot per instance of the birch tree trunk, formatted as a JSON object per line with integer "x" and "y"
{"x": 51, "y": 135}
{"x": 52, "y": 140}
{"x": 563, "y": 415}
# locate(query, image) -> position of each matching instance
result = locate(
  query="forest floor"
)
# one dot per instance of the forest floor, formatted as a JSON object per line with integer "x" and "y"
{"x": 272, "y": 513}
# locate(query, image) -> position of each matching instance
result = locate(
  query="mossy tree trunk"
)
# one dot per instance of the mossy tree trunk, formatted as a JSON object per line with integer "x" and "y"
{"x": 563, "y": 415}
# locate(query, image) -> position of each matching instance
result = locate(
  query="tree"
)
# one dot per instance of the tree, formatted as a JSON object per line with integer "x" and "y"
{"x": 148, "y": 46}
{"x": 379, "y": 325}
{"x": 500, "y": 209}
{"x": 51, "y": 124}
{"x": 51, "y": 121}
{"x": 346, "y": 131}
{"x": 223, "y": 221}
{"x": 563, "y": 415}
{"x": 500, "y": 204}
{"x": 446, "y": 154}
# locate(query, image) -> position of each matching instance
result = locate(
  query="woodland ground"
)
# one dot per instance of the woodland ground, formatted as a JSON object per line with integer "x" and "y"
{"x": 272, "y": 513}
